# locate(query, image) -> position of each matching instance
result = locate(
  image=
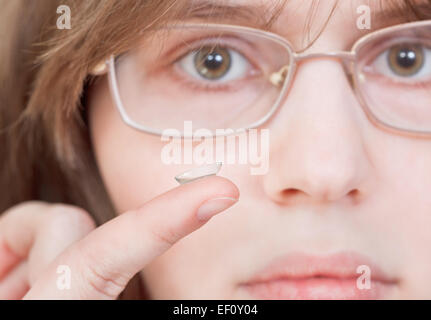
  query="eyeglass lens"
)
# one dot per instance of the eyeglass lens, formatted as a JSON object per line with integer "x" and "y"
{"x": 220, "y": 78}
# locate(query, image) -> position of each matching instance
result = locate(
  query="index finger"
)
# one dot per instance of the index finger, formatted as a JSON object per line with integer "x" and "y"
{"x": 102, "y": 263}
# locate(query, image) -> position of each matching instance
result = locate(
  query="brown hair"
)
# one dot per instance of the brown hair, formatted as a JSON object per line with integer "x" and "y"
{"x": 46, "y": 153}
{"x": 46, "y": 150}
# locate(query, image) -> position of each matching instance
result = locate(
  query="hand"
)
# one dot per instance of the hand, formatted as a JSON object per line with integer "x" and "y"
{"x": 36, "y": 238}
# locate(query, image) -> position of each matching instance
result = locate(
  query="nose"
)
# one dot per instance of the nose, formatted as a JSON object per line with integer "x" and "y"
{"x": 317, "y": 149}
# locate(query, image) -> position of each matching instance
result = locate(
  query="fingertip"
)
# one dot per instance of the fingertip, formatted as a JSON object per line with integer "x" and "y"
{"x": 215, "y": 185}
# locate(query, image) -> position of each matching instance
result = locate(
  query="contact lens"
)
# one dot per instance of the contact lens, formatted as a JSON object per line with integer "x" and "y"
{"x": 200, "y": 172}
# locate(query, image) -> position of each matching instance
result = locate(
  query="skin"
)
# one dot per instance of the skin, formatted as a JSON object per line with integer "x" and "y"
{"x": 335, "y": 183}
{"x": 332, "y": 180}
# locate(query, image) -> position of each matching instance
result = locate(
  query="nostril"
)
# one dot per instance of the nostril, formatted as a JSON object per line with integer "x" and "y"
{"x": 354, "y": 196}
{"x": 293, "y": 195}
{"x": 285, "y": 196}
{"x": 353, "y": 193}
{"x": 290, "y": 196}
{"x": 290, "y": 192}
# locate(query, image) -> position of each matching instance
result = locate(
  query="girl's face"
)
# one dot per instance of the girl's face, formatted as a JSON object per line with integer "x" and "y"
{"x": 339, "y": 193}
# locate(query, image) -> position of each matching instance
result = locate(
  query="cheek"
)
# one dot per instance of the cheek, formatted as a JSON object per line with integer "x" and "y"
{"x": 405, "y": 167}
{"x": 129, "y": 161}
{"x": 133, "y": 173}
{"x": 403, "y": 170}
{"x": 131, "y": 168}
{"x": 396, "y": 210}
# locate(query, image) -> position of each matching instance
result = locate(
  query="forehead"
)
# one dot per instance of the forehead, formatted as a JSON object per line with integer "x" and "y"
{"x": 257, "y": 11}
{"x": 303, "y": 21}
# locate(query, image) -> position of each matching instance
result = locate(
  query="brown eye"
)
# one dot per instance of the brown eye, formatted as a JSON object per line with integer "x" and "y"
{"x": 212, "y": 62}
{"x": 406, "y": 60}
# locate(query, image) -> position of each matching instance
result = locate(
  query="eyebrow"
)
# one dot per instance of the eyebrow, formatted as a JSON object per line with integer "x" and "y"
{"x": 409, "y": 10}
{"x": 229, "y": 11}
{"x": 264, "y": 15}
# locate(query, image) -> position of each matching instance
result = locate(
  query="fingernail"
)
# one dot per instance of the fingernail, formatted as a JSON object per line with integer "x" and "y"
{"x": 214, "y": 206}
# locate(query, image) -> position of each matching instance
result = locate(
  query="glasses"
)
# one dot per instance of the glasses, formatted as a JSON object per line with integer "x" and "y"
{"x": 227, "y": 79}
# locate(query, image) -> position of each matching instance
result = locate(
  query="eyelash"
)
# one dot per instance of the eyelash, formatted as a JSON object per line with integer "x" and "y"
{"x": 181, "y": 50}
{"x": 386, "y": 45}
{"x": 391, "y": 82}
{"x": 194, "y": 45}
{"x": 205, "y": 85}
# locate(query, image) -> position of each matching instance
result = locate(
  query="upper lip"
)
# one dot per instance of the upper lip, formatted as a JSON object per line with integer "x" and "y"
{"x": 296, "y": 266}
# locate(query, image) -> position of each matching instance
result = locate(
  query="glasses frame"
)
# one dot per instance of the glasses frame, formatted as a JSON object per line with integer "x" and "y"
{"x": 348, "y": 58}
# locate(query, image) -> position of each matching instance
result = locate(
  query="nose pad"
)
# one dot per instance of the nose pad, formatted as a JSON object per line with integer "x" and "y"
{"x": 317, "y": 152}
{"x": 279, "y": 77}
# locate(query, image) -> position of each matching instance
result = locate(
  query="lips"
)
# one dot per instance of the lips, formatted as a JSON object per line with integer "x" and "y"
{"x": 301, "y": 276}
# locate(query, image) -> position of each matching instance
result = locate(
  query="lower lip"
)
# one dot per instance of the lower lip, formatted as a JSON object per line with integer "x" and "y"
{"x": 315, "y": 288}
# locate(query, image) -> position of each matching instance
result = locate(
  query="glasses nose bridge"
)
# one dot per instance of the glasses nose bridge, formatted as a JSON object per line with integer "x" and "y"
{"x": 347, "y": 58}
{"x": 344, "y": 56}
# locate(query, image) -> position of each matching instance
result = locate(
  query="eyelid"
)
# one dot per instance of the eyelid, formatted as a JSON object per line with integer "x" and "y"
{"x": 171, "y": 43}
{"x": 414, "y": 80}
{"x": 385, "y": 44}
{"x": 210, "y": 36}
{"x": 393, "y": 29}
{"x": 220, "y": 42}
